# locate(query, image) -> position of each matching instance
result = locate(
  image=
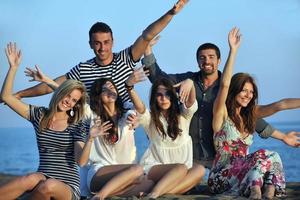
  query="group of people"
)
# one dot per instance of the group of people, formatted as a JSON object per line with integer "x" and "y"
{"x": 196, "y": 120}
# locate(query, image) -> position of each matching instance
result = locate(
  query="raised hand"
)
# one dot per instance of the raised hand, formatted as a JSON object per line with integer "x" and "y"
{"x": 292, "y": 139}
{"x": 36, "y": 74}
{"x": 184, "y": 89}
{"x": 234, "y": 38}
{"x": 138, "y": 75}
{"x": 178, "y": 6}
{"x": 99, "y": 129}
{"x": 13, "y": 55}
{"x": 132, "y": 120}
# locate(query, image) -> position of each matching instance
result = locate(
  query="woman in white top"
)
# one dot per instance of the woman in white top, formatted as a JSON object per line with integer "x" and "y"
{"x": 168, "y": 161}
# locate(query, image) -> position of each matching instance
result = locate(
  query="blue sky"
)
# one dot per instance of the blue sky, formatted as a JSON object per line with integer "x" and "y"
{"x": 54, "y": 35}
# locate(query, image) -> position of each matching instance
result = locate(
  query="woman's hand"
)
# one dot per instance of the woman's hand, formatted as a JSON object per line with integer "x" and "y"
{"x": 13, "y": 55}
{"x": 99, "y": 129}
{"x": 36, "y": 74}
{"x": 292, "y": 139}
{"x": 185, "y": 89}
{"x": 138, "y": 75}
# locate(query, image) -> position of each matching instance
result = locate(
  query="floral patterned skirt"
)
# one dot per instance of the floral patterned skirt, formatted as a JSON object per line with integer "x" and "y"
{"x": 260, "y": 168}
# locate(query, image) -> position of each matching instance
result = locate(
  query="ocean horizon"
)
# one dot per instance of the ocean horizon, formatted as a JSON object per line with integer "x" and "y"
{"x": 19, "y": 154}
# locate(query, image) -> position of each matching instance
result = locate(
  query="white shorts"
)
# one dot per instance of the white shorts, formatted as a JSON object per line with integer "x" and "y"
{"x": 93, "y": 168}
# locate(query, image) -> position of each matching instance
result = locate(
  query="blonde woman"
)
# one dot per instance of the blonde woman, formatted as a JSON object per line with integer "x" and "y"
{"x": 60, "y": 135}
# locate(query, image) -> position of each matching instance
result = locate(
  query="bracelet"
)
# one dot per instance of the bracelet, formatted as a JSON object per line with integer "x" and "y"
{"x": 129, "y": 87}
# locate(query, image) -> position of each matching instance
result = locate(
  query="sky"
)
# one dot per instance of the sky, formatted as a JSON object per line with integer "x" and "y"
{"x": 54, "y": 35}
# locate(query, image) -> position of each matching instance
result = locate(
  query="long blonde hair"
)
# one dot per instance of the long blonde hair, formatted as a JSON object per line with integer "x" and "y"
{"x": 63, "y": 90}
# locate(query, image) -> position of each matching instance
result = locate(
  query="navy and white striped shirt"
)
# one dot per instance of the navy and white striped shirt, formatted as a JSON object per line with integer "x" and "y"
{"x": 118, "y": 70}
{"x": 56, "y": 150}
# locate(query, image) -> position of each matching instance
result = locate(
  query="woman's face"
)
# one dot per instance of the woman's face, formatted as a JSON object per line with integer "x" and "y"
{"x": 109, "y": 93}
{"x": 163, "y": 98}
{"x": 244, "y": 97}
{"x": 70, "y": 100}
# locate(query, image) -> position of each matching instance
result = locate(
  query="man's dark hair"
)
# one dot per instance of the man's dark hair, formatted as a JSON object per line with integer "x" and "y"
{"x": 208, "y": 46}
{"x": 100, "y": 27}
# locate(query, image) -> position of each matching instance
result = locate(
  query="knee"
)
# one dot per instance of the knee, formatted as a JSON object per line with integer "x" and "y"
{"x": 31, "y": 180}
{"x": 136, "y": 170}
{"x": 181, "y": 168}
{"x": 199, "y": 171}
{"x": 46, "y": 187}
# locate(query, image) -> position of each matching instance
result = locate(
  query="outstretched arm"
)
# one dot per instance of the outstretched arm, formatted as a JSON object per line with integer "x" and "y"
{"x": 283, "y": 104}
{"x": 291, "y": 138}
{"x": 220, "y": 110}
{"x": 37, "y": 75}
{"x": 139, "y": 46}
{"x": 14, "y": 58}
{"x": 138, "y": 75}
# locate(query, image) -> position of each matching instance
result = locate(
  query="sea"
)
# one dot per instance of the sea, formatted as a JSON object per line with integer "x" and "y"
{"x": 19, "y": 154}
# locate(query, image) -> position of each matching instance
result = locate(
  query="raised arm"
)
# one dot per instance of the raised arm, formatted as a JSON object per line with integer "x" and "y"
{"x": 82, "y": 150}
{"x": 187, "y": 93}
{"x": 39, "y": 90}
{"x": 219, "y": 109}
{"x": 138, "y": 75}
{"x": 139, "y": 46}
{"x": 14, "y": 58}
{"x": 37, "y": 75}
{"x": 283, "y": 104}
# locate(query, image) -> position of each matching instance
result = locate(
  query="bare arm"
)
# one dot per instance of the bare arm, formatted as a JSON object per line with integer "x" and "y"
{"x": 283, "y": 104}
{"x": 139, "y": 46}
{"x": 82, "y": 150}
{"x": 138, "y": 75}
{"x": 219, "y": 109}
{"x": 40, "y": 89}
{"x": 37, "y": 75}
{"x": 292, "y": 138}
{"x": 187, "y": 93}
{"x": 14, "y": 58}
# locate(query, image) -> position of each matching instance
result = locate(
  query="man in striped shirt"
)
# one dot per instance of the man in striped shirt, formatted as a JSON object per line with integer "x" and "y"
{"x": 106, "y": 64}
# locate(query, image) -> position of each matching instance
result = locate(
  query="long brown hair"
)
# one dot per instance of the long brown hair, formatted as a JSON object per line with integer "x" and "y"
{"x": 173, "y": 112}
{"x": 97, "y": 106}
{"x": 247, "y": 113}
{"x": 63, "y": 90}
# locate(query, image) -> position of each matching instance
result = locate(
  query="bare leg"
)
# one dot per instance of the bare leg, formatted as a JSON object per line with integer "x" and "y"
{"x": 114, "y": 179}
{"x": 143, "y": 186}
{"x": 18, "y": 186}
{"x": 193, "y": 177}
{"x": 255, "y": 192}
{"x": 166, "y": 178}
{"x": 269, "y": 192}
{"x": 52, "y": 189}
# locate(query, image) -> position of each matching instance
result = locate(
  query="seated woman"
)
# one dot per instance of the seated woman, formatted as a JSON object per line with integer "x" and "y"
{"x": 109, "y": 154}
{"x": 234, "y": 114}
{"x": 60, "y": 135}
{"x": 168, "y": 161}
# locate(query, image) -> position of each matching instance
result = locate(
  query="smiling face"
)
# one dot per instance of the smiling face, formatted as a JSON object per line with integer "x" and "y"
{"x": 102, "y": 43}
{"x": 163, "y": 98}
{"x": 69, "y": 101}
{"x": 244, "y": 97}
{"x": 208, "y": 61}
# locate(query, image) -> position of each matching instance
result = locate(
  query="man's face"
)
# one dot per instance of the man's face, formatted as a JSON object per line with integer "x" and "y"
{"x": 208, "y": 61}
{"x": 102, "y": 44}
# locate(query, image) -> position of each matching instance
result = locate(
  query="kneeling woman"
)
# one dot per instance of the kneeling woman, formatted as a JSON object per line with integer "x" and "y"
{"x": 168, "y": 161}
{"x": 60, "y": 135}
